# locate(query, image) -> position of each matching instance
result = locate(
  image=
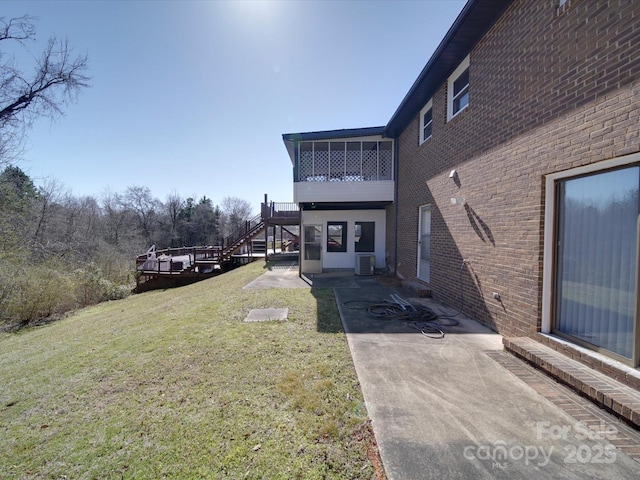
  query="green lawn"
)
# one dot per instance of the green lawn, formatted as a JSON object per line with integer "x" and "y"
{"x": 173, "y": 384}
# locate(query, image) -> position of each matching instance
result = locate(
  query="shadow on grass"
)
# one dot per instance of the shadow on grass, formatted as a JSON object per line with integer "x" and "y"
{"x": 328, "y": 319}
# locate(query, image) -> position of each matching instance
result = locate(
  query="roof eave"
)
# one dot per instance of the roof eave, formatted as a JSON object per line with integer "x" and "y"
{"x": 291, "y": 139}
{"x": 475, "y": 19}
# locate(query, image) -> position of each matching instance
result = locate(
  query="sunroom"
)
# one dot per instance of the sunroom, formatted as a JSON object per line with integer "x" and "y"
{"x": 343, "y": 181}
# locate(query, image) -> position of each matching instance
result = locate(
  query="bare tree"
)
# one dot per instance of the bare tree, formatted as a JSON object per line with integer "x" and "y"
{"x": 57, "y": 80}
{"x": 139, "y": 200}
{"x": 172, "y": 207}
{"x": 235, "y": 211}
{"x": 119, "y": 225}
{"x": 50, "y": 192}
{"x": 79, "y": 232}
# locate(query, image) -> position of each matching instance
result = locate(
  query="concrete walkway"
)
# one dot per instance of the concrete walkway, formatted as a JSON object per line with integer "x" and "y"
{"x": 446, "y": 409}
{"x": 449, "y": 408}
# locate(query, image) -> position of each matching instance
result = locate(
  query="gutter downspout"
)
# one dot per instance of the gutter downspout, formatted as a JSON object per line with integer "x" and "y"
{"x": 396, "y": 150}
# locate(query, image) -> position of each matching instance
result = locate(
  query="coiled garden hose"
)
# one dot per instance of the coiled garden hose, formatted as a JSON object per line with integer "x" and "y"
{"x": 419, "y": 317}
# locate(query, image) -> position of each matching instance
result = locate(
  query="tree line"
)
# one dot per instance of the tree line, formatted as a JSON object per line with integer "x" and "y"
{"x": 59, "y": 251}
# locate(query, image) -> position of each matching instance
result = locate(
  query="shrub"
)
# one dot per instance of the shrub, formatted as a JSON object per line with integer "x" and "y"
{"x": 93, "y": 287}
{"x": 36, "y": 292}
{"x": 29, "y": 293}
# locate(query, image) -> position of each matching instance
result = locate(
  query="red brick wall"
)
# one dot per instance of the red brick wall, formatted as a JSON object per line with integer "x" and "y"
{"x": 549, "y": 91}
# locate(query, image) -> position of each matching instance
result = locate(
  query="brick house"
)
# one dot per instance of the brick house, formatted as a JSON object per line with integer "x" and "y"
{"x": 517, "y": 170}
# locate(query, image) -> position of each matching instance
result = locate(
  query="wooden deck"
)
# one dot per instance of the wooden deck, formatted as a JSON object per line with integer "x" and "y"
{"x": 178, "y": 266}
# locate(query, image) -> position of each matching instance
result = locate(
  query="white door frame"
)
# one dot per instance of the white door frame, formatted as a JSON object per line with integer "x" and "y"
{"x": 311, "y": 265}
{"x": 424, "y": 276}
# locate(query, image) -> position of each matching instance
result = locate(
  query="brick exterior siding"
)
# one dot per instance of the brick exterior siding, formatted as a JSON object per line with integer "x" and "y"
{"x": 550, "y": 89}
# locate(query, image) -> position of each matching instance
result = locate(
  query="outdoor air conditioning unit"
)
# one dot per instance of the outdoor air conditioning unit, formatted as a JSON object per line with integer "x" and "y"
{"x": 365, "y": 264}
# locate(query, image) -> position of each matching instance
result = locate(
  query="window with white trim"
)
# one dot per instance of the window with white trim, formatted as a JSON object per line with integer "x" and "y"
{"x": 563, "y": 6}
{"x": 458, "y": 90}
{"x": 426, "y": 122}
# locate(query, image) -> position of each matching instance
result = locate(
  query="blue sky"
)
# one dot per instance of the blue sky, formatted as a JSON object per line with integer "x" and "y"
{"x": 193, "y": 96}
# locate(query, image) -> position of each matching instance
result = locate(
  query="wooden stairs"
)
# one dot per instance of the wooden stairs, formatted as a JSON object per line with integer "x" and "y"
{"x": 179, "y": 266}
{"x": 253, "y": 228}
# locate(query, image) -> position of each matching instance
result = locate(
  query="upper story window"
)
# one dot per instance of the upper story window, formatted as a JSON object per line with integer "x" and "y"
{"x": 426, "y": 122}
{"x": 458, "y": 89}
{"x": 563, "y": 6}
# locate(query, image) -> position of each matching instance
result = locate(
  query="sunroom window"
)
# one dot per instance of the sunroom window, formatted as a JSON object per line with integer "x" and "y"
{"x": 345, "y": 161}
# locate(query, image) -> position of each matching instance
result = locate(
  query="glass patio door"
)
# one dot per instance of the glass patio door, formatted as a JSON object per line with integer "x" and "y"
{"x": 596, "y": 261}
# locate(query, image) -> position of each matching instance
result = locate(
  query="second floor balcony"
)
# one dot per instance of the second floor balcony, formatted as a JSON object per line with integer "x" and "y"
{"x": 345, "y": 161}
{"x": 342, "y": 166}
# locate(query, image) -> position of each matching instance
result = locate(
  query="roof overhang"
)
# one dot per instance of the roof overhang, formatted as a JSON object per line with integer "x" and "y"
{"x": 291, "y": 139}
{"x": 473, "y": 22}
{"x": 381, "y": 205}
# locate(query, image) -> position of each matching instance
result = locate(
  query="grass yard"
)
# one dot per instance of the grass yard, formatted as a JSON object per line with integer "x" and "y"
{"x": 173, "y": 384}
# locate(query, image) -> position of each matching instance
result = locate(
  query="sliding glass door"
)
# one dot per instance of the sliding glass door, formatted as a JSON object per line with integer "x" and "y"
{"x": 596, "y": 261}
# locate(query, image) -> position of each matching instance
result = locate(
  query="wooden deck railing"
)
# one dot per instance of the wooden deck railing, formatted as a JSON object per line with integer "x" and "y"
{"x": 280, "y": 210}
{"x": 176, "y": 260}
{"x": 238, "y": 236}
{"x": 197, "y": 259}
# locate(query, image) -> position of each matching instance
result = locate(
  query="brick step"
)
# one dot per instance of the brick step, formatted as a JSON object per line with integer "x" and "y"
{"x": 620, "y": 399}
{"x": 418, "y": 288}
